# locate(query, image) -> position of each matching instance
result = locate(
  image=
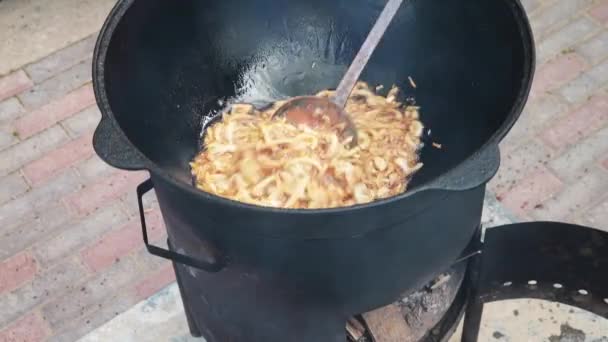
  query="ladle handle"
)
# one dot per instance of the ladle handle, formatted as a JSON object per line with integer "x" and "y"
{"x": 367, "y": 49}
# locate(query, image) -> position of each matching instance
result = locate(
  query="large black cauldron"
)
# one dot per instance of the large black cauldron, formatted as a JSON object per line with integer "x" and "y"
{"x": 161, "y": 66}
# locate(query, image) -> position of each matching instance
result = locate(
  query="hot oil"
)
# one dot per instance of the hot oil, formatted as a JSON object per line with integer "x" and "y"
{"x": 288, "y": 68}
{"x": 206, "y": 122}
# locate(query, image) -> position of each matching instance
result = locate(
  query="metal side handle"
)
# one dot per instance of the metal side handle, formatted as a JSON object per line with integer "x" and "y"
{"x": 213, "y": 264}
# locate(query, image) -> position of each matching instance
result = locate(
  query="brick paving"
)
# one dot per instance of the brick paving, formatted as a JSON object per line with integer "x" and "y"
{"x": 552, "y": 164}
{"x": 71, "y": 256}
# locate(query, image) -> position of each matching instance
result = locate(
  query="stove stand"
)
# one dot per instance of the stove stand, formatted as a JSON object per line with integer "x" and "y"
{"x": 553, "y": 261}
{"x": 557, "y": 262}
{"x": 233, "y": 305}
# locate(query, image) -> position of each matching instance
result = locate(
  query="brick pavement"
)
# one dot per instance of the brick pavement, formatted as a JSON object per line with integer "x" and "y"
{"x": 553, "y": 164}
{"x": 71, "y": 256}
{"x": 70, "y": 251}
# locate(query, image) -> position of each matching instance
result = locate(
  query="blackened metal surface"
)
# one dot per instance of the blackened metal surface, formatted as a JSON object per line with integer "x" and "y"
{"x": 351, "y": 274}
{"x": 160, "y": 68}
{"x": 245, "y": 307}
{"x": 544, "y": 260}
{"x": 235, "y": 306}
{"x": 546, "y": 253}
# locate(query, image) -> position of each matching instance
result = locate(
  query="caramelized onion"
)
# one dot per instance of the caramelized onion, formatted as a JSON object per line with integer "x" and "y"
{"x": 251, "y": 157}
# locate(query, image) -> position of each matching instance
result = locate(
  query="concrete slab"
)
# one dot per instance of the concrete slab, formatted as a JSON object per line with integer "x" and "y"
{"x": 159, "y": 318}
{"x": 33, "y": 29}
{"x": 533, "y": 320}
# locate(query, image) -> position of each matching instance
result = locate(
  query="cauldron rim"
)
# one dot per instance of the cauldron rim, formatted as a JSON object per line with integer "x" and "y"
{"x": 438, "y": 183}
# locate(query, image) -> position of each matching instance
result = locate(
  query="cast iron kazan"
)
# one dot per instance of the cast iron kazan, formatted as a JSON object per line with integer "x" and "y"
{"x": 160, "y": 68}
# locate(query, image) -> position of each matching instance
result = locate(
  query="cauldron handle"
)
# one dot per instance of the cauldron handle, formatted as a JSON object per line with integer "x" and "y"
{"x": 477, "y": 170}
{"x": 113, "y": 147}
{"x": 214, "y": 264}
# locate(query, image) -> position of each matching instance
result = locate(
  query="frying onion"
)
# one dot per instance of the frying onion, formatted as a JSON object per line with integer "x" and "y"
{"x": 251, "y": 157}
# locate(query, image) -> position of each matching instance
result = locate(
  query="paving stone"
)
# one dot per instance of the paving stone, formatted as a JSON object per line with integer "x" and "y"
{"x": 600, "y": 12}
{"x": 15, "y": 156}
{"x": 12, "y": 186}
{"x": 586, "y": 191}
{"x": 17, "y": 270}
{"x": 62, "y": 60}
{"x": 83, "y": 122}
{"x": 58, "y": 160}
{"x": 14, "y": 214}
{"x": 533, "y": 190}
{"x": 598, "y": 217}
{"x": 556, "y": 13}
{"x": 530, "y": 5}
{"x": 539, "y": 113}
{"x": 85, "y": 298}
{"x": 121, "y": 242}
{"x": 29, "y": 328}
{"x": 112, "y": 306}
{"x": 515, "y": 165}
{"x": 162, "y": 315}
{"x": 580, "y": 89}
{"x": 578, "y": 124}
{"x": 104, "y": 191}
{"x": 600, "y": 72}
{"x": 78, "y": 233}
{"x": 32, "y": 205}
{"x": 93, "y": 168}
{"x": 573, "y": 162}
{"x": 150, "y": 202}
{"x": 40, "y": 228}
{"x": 60, "y": 109}
{"x": 14, "y": 84}
{"x": 33, "y": 29}
{"x": 151, "y": 263}
{"x": 155, "y": 282}
{"x": 556, "y": 73}
{"x": 57, "y": 86}
{"x": 109, "y": 308}
{"x": 595, "y": 49}
{"x": 10, "y": 109}
{"x": 564, "y": 40}
{"x": 52, "y": 283}
{"x": 8, "y": 136}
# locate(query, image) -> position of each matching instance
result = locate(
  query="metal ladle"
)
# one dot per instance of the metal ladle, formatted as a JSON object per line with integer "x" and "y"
{"x": 309, "y": 110}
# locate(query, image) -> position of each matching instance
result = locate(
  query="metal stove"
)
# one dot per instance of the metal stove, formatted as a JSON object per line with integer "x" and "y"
{"x": 543, "y": 260}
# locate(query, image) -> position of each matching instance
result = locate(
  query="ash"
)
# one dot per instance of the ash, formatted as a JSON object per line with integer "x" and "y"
{"x": 423, "y": 309}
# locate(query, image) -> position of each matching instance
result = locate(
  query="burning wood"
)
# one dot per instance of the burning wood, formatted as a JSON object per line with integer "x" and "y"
{"x": 387, "y": 324}
{"x": 443, "y": 278}
{"x": 355, "y": 330}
